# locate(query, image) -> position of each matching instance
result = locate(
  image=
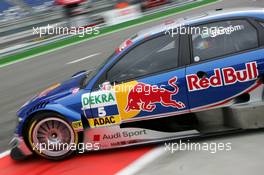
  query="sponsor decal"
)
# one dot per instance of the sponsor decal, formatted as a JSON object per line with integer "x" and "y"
{"x": 96, "y": 138}
{"x": 77, "y": 125}
{"x": 218, "y": 31}
{"x": 98, "y": 99}
{"x": 146, "y": 100}
{"x": 100, "y": 103}
{"x": 104, "y": 121}
{"x": 124, "y": 134}
{"x": 223, "y": 77}
{"x": 124, "y": 142}
{"x": 124, "y": 45}
{"x": 75, "y": 90}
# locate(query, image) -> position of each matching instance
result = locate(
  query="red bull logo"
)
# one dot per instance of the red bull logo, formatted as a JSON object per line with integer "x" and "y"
{"x": 223, "y": 77}
{"x": 144, "y": 97}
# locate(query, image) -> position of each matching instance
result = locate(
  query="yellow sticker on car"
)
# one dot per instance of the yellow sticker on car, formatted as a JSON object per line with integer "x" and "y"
{"x": 77, "y": 125}
{"x": 104, "y": 121}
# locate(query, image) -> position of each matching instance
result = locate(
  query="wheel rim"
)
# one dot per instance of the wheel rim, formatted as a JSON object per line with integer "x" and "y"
{"x": 53, "y": 137}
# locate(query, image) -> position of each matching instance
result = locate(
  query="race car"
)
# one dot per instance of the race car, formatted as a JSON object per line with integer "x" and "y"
{"x": 188, "y": 78}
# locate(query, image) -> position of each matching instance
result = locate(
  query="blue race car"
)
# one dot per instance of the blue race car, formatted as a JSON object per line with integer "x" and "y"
{"x": 189, "y": 78}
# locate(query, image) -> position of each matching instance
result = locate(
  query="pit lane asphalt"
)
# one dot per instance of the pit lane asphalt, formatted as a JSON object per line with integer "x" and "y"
{"x": 244, "y": 158}
{"x": 20, "y": 81}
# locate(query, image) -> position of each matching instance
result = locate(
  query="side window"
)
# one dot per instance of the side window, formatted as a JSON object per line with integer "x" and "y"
{"x": 222, "y": 38}
{"x": 152, "y": 56}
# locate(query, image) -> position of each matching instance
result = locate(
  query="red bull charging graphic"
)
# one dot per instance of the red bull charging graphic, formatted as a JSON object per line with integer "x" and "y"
{"x": 144, "y": 97}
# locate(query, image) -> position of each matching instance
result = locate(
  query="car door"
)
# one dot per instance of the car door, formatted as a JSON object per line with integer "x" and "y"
{"x": 146, "y": 82}
{"x": 227, "y": 61}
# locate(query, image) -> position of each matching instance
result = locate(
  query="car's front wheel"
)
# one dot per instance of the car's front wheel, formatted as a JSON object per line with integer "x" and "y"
{"x": 51, "y": 137}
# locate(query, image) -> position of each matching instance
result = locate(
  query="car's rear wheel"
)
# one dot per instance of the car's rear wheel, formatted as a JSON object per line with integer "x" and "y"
{"x": 52, "y": 137}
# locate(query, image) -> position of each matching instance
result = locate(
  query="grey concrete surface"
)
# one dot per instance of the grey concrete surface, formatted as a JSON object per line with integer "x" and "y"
{"x": 20, "y": 81}
{"x": 244, "y": 158}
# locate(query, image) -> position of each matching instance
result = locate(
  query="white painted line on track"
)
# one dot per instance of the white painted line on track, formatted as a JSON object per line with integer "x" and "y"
{"x": 140, "y": 163}
{"x": 84, "y": 58}
{"x": 4, "y": 154}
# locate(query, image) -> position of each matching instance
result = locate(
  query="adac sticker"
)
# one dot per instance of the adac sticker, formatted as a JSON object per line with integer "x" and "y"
{"x": 104, "y": 121}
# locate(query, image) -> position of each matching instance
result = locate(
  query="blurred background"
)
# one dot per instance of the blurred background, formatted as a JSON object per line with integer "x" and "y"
{"x": 18, "y": 17}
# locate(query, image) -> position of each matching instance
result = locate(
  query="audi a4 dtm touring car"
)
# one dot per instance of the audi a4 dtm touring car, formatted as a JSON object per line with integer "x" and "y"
{"x": 160, "y": 84}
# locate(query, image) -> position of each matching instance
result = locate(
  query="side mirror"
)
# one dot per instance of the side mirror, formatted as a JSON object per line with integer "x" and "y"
{"x": 78, "y": 73}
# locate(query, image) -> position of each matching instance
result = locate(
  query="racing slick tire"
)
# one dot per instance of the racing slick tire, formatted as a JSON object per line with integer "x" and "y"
{"x": 51, "y": 136}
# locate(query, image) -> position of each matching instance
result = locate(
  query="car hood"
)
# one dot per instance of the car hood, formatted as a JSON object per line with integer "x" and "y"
{"x": 58, "y": 90}
{"x": 67, "y": 87}
{"x": 53, "y": 93}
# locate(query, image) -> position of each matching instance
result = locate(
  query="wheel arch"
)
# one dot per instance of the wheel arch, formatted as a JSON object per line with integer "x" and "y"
{"x": 69, "y": 115}
{"x": 39, "y": 112}
{"x": 27, "y": 126}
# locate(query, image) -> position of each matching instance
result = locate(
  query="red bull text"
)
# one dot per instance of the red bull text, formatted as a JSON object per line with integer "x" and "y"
{"x": 223, "y": 77}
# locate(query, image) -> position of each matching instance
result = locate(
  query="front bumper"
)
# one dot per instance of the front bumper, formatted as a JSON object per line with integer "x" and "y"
{"x": 19, "y": 149}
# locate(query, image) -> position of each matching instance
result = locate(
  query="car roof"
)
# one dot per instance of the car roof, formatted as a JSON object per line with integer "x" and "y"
{"x": 202, "y": 17}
